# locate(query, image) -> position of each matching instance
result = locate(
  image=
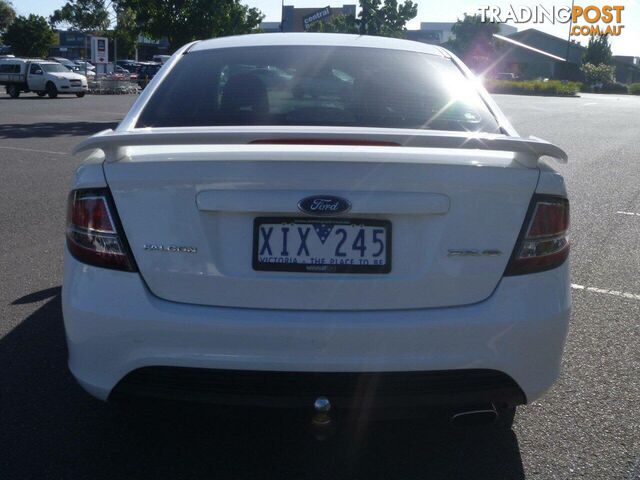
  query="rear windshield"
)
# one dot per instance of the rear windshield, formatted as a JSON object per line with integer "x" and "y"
{"x": 316, "y": 85}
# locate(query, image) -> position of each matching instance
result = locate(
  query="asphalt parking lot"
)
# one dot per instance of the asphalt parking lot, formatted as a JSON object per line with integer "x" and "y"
{"x": 587, "y": 426}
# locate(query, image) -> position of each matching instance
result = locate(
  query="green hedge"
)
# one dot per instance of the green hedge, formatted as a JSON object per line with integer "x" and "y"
{"x": 534, "y": 87}
{"x": 634, "y": 89}
{"x": 613, "y": 88}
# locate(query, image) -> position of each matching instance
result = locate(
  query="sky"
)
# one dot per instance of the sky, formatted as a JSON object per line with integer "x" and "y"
{"x": 628, "y": 43}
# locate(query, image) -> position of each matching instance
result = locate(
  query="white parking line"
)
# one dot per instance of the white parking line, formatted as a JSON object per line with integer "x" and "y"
{"x": 34, "y": 150}
{"x": 629, "y": 213}
{"x": 605, "y": 291}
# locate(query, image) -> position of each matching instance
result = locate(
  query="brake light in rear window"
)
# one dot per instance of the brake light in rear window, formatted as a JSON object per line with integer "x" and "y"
{"x": 543, "y": 243}
{"x": 324, "y": 141}
{"x": 94, "y": 235}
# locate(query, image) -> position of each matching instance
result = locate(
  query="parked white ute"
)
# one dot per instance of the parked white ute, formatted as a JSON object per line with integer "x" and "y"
{"x": 338, "y": 220}
{"x": 43, "y": 77}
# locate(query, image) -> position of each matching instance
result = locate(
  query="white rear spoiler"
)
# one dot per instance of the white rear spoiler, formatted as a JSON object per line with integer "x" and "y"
{"x": 528, "y": 150}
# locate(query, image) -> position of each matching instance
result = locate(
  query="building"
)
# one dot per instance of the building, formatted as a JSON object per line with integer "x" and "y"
{"x": 425, "y": 36}
{"x": 627, "y": 68}
{"x": 269, "y": 27}
{"x": 440, "y": 32}
{"x": 300, "y": 19}
{"x": 146, "y": 48}
{"x": 76, "y": 45}
{"x": 71, "y": 44}
{"x": 535, "y": 54}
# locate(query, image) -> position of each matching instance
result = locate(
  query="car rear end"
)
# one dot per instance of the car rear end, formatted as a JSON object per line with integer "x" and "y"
{"x": 281, "y": 240}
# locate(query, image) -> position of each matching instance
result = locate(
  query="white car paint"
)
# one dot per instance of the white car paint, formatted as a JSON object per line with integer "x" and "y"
{"x": 115, "y": 325}
{"x": 210, "y": 309}
{"x": 82, "y": 64}
{"x": 380, "y": 182}
{"x": 62, "y": 79}
{"x": 27, "y": 79}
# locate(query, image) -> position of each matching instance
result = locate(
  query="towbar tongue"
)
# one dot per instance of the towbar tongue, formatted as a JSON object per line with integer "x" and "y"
{"x": 322, "y": 421}
{"x": 322, "y": 409}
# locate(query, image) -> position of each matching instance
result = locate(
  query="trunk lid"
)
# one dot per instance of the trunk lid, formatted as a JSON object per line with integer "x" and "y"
{"x": 188, "y": 213}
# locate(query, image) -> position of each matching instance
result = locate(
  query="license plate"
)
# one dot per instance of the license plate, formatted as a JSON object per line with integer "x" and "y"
{"x": 320, "y": 245}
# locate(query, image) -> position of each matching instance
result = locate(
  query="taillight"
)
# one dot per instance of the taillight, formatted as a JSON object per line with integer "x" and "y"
{"x": 543, "y": 242}
{"x": 94, "y": 234}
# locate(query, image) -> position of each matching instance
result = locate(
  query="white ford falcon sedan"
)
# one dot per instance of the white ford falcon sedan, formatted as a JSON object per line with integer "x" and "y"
{"x": 323, "y": 220}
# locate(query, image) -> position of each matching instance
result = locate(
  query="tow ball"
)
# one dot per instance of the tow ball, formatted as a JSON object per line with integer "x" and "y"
{"x": 322, "y": 421}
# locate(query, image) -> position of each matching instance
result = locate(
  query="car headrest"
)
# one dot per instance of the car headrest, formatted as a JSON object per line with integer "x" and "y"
{"x": 244, "y": 93}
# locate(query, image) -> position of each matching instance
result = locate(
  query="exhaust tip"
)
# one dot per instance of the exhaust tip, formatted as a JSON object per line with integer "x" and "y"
{"x": 476, "y": 416}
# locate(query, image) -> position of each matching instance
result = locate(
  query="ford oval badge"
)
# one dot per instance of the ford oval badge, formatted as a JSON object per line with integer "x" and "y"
{"x": 324, "y": 205}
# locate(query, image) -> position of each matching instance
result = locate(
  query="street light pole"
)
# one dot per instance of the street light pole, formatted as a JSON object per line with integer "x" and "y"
{"x": 570, "y": 25}
{"x": 115, "y": 44}
{"x": 566, "y": 63}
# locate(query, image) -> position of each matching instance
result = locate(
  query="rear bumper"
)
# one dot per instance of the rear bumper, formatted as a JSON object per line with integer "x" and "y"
{"x": 346, "y": 390}
{"x": 115, "y": 327}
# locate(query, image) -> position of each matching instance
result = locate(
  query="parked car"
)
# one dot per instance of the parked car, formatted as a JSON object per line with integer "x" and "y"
{"x": 506, "y": 76}
{"x": 43, "y": 77}
{"x": 71, "y": 66}
{"x": 399, "y": 246}
{"x": 90, "y": 74}
{"x": 81, "y": 64}
{"x": 146, "y": 73}
{"x": 161, "y": 58}
{"x": 129, "y": 65}
{"x": 64, "y": 61}
{"x": 120, "y": 73}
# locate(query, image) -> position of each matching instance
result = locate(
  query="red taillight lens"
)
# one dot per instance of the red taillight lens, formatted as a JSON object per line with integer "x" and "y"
{"x": 543, "y": 243}
{"x": 93, "y": 233}
{"x": 550, "y": 218}
{"x": 91, "y": 213}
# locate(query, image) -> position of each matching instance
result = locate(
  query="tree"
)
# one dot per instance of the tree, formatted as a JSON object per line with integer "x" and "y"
{"x": 94, "y": 16}
{"x": 125, "y": 32}
{"x": 29, "y": 36}
{"x": 336, "y": 24}
{"x": 598, "y": 51}
{"x": 601, "y": 73}
{"x": 83, "y": 15}
{"x": 7, "y": 15}
{"x": 473, "y": 41}
{"x": 387, "y": 20}
{"x": 187, "y": 20}
{"x": 87, "y": 16}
